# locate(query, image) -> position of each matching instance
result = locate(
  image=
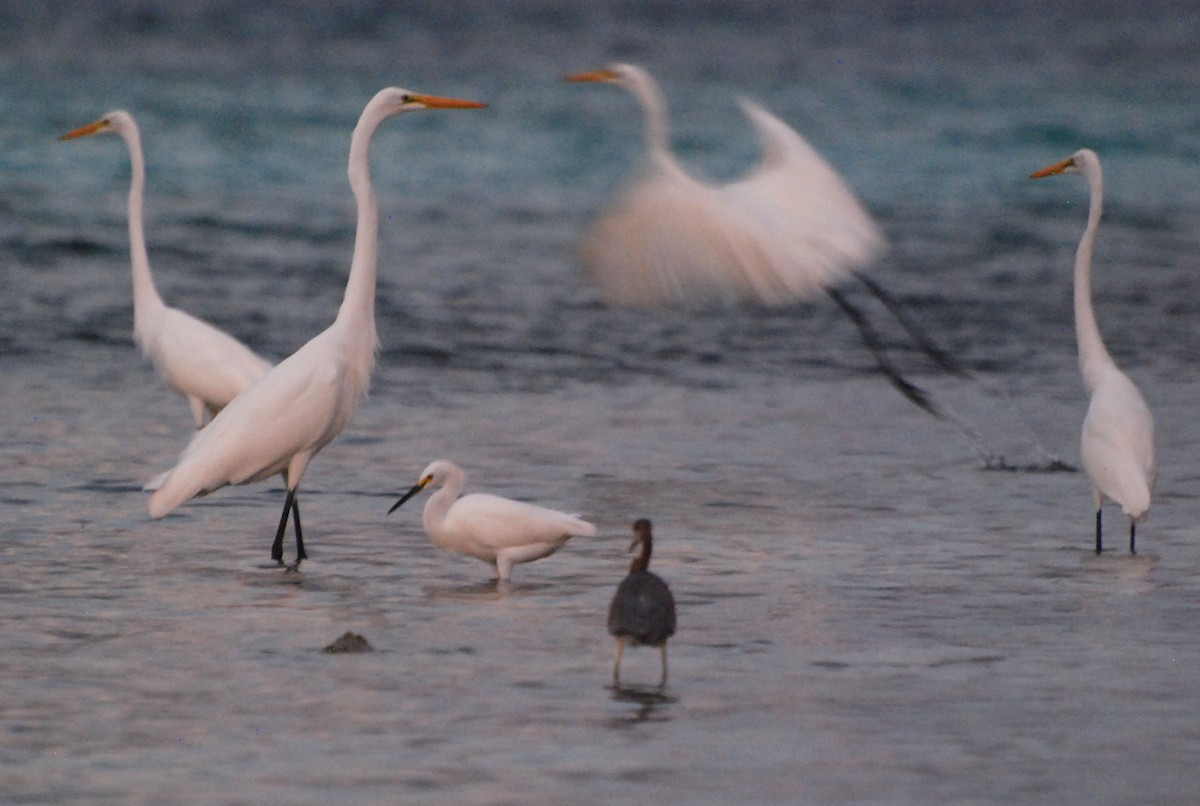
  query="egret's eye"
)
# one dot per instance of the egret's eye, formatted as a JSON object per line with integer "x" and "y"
{"x": 406, "y": 98}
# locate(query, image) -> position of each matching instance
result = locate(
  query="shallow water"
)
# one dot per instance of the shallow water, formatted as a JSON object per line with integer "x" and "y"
{"x": 866, "y": 615}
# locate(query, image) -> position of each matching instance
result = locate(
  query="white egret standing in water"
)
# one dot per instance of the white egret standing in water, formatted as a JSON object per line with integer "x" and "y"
{"x": 205, "y": 365}
{"x": 499, "y": 531}
{"x": 1117, "y": 444}
{"x": 791, "y": 229}
{"x": 279, "y": 423}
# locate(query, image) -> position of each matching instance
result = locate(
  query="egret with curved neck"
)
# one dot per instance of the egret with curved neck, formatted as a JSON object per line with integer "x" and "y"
{"x": 300, "y": 406}
{"x": 499, "y": 531}
{"x": 788, "y": 230}
{"x": 205, "y": 365}
{"x": 1117, "y": 444}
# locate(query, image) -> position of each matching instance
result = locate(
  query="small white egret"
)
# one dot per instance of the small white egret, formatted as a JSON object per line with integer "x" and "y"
{"x": 1117, "y": 444}
{"x": 499, "y": 531}
{"x": 642, "y": 612}
{"x": 200, "y": 362}
{"x": 789, "y": 230}
{"x": 279, "y": 423}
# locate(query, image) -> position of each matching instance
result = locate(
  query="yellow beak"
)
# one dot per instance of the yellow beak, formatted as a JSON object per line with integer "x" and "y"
{"x": 1051, "y": 170}
{"x": 438, "y": 102}
{"x": 84, "y": 131}
{"x": 594, "y": 75}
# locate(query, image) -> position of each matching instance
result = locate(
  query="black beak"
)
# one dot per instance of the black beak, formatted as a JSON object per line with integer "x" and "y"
{"x": 416, "y": 488}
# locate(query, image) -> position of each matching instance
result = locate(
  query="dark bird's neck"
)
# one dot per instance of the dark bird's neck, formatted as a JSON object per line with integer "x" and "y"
{"x": 642, "y": 561}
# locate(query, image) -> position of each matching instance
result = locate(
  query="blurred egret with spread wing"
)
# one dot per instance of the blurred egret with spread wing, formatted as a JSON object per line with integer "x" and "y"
{"x": 205, "y": 365}
{"x": 789, "y": 230}
{"x": 279, "y": 423}
{"x": 642, "y": 612}
{"x": 1117, "y": 443}
{"x": 499, "y": 531}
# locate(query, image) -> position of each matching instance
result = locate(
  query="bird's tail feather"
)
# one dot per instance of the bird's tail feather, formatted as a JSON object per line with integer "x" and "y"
{"x": 156, "y": 482}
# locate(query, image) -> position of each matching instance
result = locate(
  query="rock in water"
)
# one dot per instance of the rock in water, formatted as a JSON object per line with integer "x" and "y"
{"x": 350, "y": 642}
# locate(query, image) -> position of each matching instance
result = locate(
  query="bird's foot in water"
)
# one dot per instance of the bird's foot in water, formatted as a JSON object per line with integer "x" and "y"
{"x": 288, "y": 568}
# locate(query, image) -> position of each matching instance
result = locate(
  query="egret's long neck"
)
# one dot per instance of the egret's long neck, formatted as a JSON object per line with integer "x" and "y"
{"x": 434, "y": 516}
{"x": 358, "y": 304}
{"x": 658, "y": 128}
{"x": 1093, "y": 356}
{"x": 146, "y": 301}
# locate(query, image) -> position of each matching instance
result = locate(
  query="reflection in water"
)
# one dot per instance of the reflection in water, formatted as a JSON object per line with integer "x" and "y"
{"x": 652, "y": 705}
{"x": 1119, "y": 572}
{"x": 488, "y": 589}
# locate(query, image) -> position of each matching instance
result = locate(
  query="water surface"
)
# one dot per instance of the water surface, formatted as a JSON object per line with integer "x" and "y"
{"x": 866, "y": 615}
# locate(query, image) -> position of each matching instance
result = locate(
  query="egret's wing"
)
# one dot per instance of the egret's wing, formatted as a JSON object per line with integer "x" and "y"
{"x": 666, "y": 240}
{"x": 503, "y": 523}
{"x": 296, "y": 408}
{"x": 786, "y": 231}
{"x": 1117, "y": 447}
{"x": 818, "y": 230}
{"x": 197, "y": 359}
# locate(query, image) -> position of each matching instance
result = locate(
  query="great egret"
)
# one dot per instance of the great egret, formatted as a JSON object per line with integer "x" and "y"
{"x": 279, "y": 423}
{"x": 642, "y": 612}
{"x": 789, "y": 230}
{"x": 1117, "y": 444}
{"x": 785, "y": 232}
{"x": 200, "y": 362}
{"x": 499, "y": 531}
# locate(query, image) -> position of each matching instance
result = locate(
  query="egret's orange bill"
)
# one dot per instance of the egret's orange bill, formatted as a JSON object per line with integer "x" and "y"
{"x": 1051, "y": 170}
{"x": 84, "y": 131}
{"x": 594, "y": 75}
{"x": 438, "y": 102}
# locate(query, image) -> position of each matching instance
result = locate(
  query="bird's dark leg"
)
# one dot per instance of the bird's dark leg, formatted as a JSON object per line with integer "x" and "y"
{"x": 870, "y": 338}
{"x": 1099, "y": 544}
{"x": 1132, "y": 536}
{"x": 277, "y": 546}
{"x": 915, "y": 332}
{"x": 617, "y": 663}
{"x": 300, "y": 553}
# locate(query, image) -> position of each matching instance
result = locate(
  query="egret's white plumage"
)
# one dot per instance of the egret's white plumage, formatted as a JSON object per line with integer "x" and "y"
{"x": 1117, "y": 444}
{"x": 788, "y": 230}
{"x": 205, "y": 365}
{"x": 499, "y": 531}
{"x": 279, "y": 423}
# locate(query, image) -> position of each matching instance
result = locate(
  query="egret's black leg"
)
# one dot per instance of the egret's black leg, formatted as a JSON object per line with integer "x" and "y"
{"x": 870, "y": 338}
{"x": 1132, "y": 537}
{"x": 918, "y": 335}
{"x": 300, "y": 554}
{"x": 1099, "y": 544}
{"x": 277, "y": 546}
